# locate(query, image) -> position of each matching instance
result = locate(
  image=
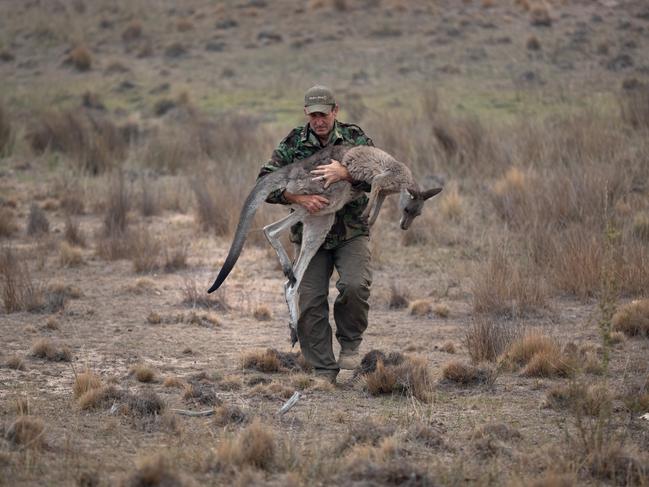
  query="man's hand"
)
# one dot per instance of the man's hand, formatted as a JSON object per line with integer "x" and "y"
{"x": 312, "y": 202}
{"x": 331, "y": 173}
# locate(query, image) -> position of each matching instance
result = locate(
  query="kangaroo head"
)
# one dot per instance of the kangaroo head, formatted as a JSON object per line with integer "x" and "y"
{"x": 411, "y": 203}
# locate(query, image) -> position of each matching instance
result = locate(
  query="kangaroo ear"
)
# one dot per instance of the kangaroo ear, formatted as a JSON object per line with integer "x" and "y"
{"x": 430, "y": 193}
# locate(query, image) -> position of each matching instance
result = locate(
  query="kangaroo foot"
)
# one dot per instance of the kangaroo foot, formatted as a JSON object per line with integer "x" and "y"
{"x": 288, "y": 272}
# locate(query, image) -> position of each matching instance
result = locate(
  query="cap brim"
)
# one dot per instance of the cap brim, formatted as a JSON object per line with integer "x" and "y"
{"x": 318, "y": 108}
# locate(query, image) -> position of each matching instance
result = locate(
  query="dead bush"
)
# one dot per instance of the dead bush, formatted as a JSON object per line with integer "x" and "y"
{"x": 399, "y": 298}
{"x": 195, "y": 298}
{"x": 540, "y": 356}
{"x": 395, "y": 373}
{"x": 262, "y": 313}
{"x": 46, "y": 349}
{"x": 149, "y": 199}
{"x": 211, "y": 213}
{"x": 80, "y": 58}
{"x": 84, "y": 382}
{"x": 271, "y": 360}
{"x": 640, "y": 228}
{"x": 146, "y": 251}
{"x": 577, "y": 261}
{"x": 633, "y": 318}
{"x": 143, "y": 373}
{"x": 368, "y": 431}
{"x": 72, "y": 232}
{"x": 175, "y": 258}
{"x": 69, "y": 256}
{"x": 502, "y": 288}
{"x": 421, "y": 307}
{"x": 8, "y": 225}
{"x": 229, "y": 414}
{"x": 15, "y": 362}
{"x": 19, "y": 292}
{"x": 133, "y": 31}
{"x": 26, "y": 432}
{"x": 634, "y": 107}
{"x": 486, "y": 339}
{"x": 173, "y": 382}
{"x": 155, "y": 470}
{"x": 37, "y": 223}
{"x": 99, "y": 397}
{"x": 580, "y": 399}
{"x": 93, "y": 142}
{"x": 466, "y": 375}
{"x": 114, "y": 241}
{"x": 255, "y": 446}
{"x": 145, "y": 403}
{"x": 5, "y": 132}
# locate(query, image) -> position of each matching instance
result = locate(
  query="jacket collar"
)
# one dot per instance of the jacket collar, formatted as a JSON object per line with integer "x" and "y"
{"x": 310, "y": 138}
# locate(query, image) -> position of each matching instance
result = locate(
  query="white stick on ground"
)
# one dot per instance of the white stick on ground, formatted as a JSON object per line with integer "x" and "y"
{"x": 290, "y": 403}
{"x": 194, "y": 414}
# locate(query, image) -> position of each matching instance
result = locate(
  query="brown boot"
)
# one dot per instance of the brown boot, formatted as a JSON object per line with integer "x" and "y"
{"x": 349, "y": 359}
{"x": 326, "y": 374}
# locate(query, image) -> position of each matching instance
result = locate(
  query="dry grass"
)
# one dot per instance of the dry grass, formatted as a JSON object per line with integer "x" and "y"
{"x": 19, "y": 292}
{"x": 228, "y": 414}
{"x": 93, "y": 142}
{"x": 6, "y": 132}
{"x": 442, "y": 310}
{"x": 421, "y": 307}
{"x": 154, "y": 318}
{"x": 398, "y": 297}
{"x": 396, "y": 374}
{"x": 37, "y": 223}
{"x": 262, "y": 313}
{"x": 503, "y": 288}
{"x": 175, "y": 259}
{"x": 466, "y": 375}
{"x": 633, "y": 318}
{"x": 8, "y": 226}
{"x": 146, "y": 251}
{"x": 100, "y": 397}
{"x": 486, "y": 338}
{"x": 80, "y": 58}
{"x": 271, "y": 360}
{"x": 255, "y": 446}
{"x": 173, "y": 382}
{"x": 15, "y": 362}
{"x": 72, "y": 232}
{"x": 47, "y": 349}
{"x": 195, "y": 298}
{"x": 640, "y": 227}
{"x": 540, "y": 356}
{"x": 84, "y": 382}
{"x": 153, "y": 470}
{"x": 70, "y": 256}
{"x": 633, "y": 104}
{"x": 451, "y": 204}
{"x": 594, "y": 400}
{"x": 26, "y": 432}
{"x": 115, "y": 240}
{"x": 143, "y": 373}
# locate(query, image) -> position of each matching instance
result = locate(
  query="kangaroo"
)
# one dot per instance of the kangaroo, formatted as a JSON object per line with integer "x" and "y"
{"x": 364, "y": 163}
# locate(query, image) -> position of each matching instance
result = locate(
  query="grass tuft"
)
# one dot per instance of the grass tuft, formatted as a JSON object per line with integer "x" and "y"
{"x": 465, "y": 374}
{"x": 26, "y": 432}
{"x": 46, "y": 349}
{"x": 633, "y": 319}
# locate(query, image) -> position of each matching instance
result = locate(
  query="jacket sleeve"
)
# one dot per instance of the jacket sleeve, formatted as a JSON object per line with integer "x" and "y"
{"x": 282, "y": 156}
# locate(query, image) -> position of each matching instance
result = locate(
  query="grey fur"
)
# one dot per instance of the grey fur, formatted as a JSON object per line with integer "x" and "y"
{"x": 364, "y": 163}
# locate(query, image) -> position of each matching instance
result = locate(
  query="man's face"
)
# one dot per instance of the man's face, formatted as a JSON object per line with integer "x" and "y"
{"x": 322, "y": 123}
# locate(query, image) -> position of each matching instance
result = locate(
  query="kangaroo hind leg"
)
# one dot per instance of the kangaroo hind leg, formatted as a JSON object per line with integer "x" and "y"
{"x": 377, "y": 189}
{"x": 272, "y": 233}
{"x": 316, "y": 228}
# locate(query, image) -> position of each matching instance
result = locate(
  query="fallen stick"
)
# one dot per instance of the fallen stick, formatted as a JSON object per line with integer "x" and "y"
{"x": 289, "y": 404}
{"x": 195, "y": 414}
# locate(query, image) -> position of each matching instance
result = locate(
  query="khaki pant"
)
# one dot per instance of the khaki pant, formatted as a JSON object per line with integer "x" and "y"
{"x": 352, "y": 261}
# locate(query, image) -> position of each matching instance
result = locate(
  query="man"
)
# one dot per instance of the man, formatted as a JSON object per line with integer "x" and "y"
{"x": 346, "y": 247}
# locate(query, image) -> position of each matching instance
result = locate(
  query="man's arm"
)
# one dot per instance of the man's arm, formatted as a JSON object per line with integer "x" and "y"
{"x": 281, "y": 156}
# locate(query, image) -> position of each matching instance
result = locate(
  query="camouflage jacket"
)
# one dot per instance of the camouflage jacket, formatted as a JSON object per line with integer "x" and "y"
{"x": 302, "y": 143}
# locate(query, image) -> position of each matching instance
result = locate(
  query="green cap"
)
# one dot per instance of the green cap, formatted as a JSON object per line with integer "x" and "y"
{"x": 319, "y": 98}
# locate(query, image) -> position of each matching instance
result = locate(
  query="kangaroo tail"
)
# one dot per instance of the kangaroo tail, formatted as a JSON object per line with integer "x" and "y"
{"x": 257, "y": 196}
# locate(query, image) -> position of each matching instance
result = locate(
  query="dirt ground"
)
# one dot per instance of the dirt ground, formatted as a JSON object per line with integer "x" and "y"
{"x": 255, "y": 56}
